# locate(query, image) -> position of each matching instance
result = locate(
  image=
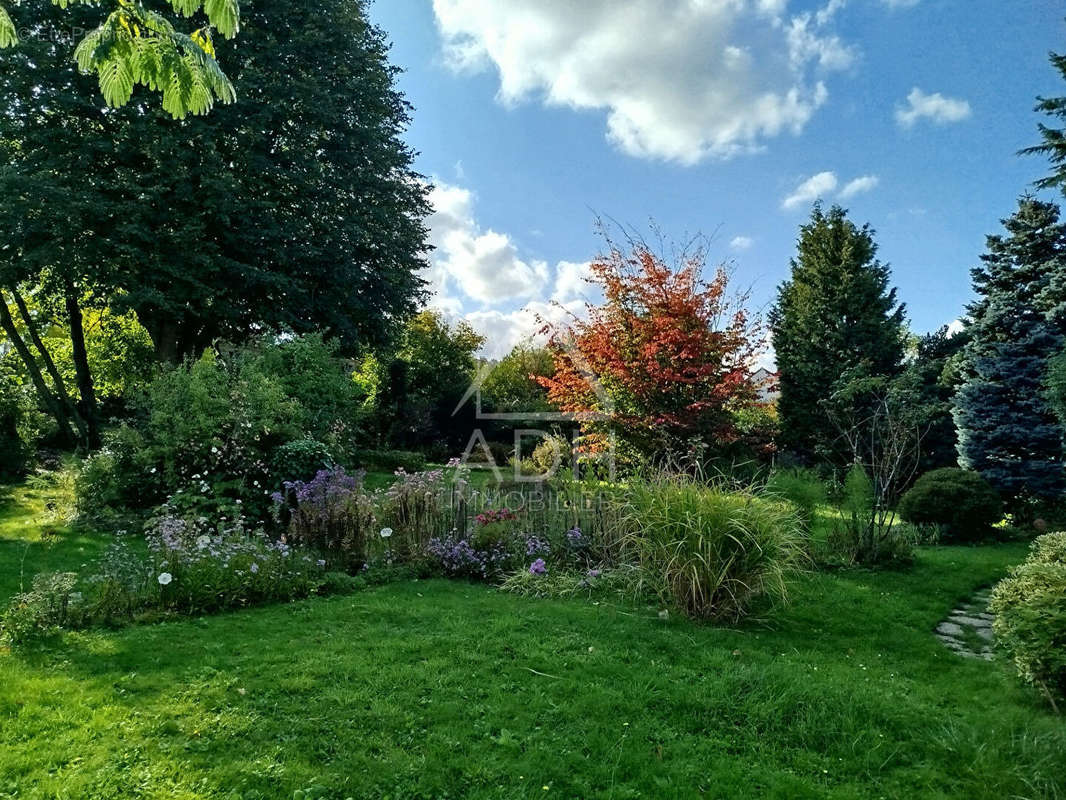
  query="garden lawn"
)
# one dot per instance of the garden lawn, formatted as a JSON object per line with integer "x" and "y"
{"x": 440, "y": 689}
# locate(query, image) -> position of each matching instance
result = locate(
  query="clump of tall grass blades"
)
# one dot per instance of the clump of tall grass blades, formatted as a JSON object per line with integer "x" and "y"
{"x": 712, "y": 553}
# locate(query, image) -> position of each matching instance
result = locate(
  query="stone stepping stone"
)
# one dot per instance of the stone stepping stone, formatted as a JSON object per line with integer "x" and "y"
{"x": 967, "y": 625}
{"x": 973, "y": 622}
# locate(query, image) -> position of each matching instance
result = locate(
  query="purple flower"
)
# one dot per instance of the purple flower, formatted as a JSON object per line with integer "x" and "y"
{"x": 536, "y": 546}
{"x": 594, "y": 573}
{"x": 538, "y": 567}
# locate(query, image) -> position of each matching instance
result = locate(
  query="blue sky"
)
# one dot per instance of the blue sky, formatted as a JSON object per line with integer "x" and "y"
{"x": 534, "y": 116}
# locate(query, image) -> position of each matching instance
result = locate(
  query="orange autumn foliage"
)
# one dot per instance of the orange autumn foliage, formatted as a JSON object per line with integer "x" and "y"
{"x": 664, "y": 361}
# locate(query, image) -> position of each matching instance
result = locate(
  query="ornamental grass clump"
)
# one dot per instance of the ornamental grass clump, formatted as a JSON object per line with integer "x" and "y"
{"x": 711, "y": 553}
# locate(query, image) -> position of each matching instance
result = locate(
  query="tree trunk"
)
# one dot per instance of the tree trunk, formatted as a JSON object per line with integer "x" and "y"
{"x": 50, "y": 367}
{"x": 86, "y": 390}
{"x": 164, "y": 334}
{"x": 49, "y": 399}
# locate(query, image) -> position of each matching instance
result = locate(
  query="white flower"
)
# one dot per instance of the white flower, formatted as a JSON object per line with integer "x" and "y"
{"x": 203, "y": 541}
{"x": 165, "y": 578}
{"x": 254, "y": 568}
{"x": 386, "y": 533}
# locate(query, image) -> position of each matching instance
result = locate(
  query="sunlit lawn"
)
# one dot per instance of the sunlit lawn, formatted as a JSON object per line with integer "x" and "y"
{"x": 446, "y": 690}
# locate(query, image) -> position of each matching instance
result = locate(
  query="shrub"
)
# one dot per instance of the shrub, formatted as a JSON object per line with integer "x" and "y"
{"x": 867, "y": 534}
{"x": 123, "y": 473}
{"x": 300, "y": 460}
{"x": 43, "y": 611}
{"x": 801, "y": 487}
{"x": 551, "y": 453}
{"x": 1030, "y": 617}
{"x": 239, "y": 419}
{"x": 711, "y": 553}
{"x": 960, "y": 501}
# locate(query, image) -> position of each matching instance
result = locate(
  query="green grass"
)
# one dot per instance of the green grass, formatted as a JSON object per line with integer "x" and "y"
{"x": 31, "y": 541}
{"x": 438, "y": 689}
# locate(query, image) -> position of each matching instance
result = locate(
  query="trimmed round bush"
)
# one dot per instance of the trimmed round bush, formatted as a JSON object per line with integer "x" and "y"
{"x": 1030, "y": 617}
{"x": 962, "y": 503}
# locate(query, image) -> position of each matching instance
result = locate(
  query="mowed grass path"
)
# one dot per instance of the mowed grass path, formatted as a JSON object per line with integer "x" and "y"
{"x": 437, "y": 689}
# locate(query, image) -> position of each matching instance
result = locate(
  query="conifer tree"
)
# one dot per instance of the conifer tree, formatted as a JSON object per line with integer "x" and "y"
{"x": 1007, "y": 429}
{"x": 835, "y": 318}
{"x": 1054, "y": 139}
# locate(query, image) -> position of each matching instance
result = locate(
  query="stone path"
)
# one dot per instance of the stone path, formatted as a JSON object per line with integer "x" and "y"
{"x": 968, "y": 629}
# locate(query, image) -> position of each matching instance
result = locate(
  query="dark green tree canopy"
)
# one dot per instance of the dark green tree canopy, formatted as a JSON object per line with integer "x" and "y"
{"x": 835, "y": 317}
{"x": 925, "y": 389}
{"x": 294, "y": 208}
{"x": 134, "y": 43}
{"x": 1007, "y": 429}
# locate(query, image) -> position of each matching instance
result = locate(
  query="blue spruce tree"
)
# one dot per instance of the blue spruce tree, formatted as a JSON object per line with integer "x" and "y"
{"x": 1007, "y": 430}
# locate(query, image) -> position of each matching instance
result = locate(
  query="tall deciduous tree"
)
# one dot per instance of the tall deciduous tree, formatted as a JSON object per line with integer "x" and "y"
{"x": 295, "y": 209}
{"x": 1007, "y": 429}
{"x": 433, "y": 369}
{"x": 664, "y": 362}
{"x": 136, "y": 45}
{"x": 835, "y": 318}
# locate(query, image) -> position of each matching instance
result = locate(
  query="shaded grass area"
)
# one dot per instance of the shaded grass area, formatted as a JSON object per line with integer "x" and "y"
{"x": 440, "y": 689}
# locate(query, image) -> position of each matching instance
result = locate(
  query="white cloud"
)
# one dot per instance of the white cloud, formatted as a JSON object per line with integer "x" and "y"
{"x": 829, "y": 10}
{"x": 811, "y": 189}
{"x": 955, "y": 327}
{"x": 504, "y": 329}
{"x": 571, "y": 280}
{"x": 901, "y": 3}
{"x": 935, "y": 107}
{"x": 481, "y": 264}
{"x": 864, "y": 184}
{"x": 741, "y": 242}
{"x": 679, "y": 81}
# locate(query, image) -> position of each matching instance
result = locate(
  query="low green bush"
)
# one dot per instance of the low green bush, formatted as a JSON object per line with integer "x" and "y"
{"x": 238, "y": 421}
{"x": 801, "y": 487}
{"x": 300, "y": 460}
{"x": 867, "y": 534}
{"x": 50, "y": 605}
{"x": 711, "y": 553}
{"x": 1030, "y": 617}
{"x": 552, "y": 453}
{"x": 962, "y": 503}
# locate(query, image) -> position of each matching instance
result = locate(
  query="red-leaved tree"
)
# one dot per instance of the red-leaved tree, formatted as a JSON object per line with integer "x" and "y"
{"x": 664, "y": 362}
